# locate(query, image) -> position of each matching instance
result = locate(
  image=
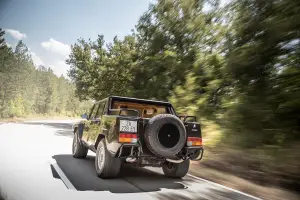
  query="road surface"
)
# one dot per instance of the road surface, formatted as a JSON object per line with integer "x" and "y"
{"x": 36, "y": 163}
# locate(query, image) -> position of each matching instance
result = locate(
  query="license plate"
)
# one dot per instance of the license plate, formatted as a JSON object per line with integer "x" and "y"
{"x": 128, "y": 126}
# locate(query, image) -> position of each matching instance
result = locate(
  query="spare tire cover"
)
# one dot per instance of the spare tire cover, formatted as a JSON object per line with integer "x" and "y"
{"x": 165, "y": 135}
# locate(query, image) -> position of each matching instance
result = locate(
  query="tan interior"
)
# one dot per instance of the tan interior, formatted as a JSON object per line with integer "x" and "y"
{"x": 146, "y": 110}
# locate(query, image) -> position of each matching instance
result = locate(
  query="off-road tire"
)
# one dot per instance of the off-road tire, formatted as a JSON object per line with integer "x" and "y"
{"x": 151, "y": 135}
{"x": 78, "y": 150}
{"x": 110, "y": 167}
{"x": 176, "y": 170}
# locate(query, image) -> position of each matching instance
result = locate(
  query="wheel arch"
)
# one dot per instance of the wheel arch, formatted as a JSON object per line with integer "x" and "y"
{"x": 75, "y": 129}
{"x": 99, "y": 138}
{"x": 78, "y": 127}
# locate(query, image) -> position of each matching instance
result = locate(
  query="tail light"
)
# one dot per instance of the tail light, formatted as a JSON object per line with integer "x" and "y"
{"x": 194, "y": 141}
{"x": 127, "y": 138}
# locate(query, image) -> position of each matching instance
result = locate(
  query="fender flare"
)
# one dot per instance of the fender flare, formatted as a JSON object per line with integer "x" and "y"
{"x": 80, "y": 127}
{"x": 99, "y": 138}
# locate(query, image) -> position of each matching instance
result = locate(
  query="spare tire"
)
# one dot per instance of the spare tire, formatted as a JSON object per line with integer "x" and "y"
{"x": 165, "y": 135}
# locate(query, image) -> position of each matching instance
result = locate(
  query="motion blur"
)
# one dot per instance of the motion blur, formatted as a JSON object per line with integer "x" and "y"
{"x": 236, "y": 66}
{"x": 233, "y": 64}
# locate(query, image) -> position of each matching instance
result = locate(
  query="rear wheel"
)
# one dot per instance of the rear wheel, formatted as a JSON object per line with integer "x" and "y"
{"x": 176, "y": 170}
{"x": 106, "y": 165}
{"x": 78, "y": 150}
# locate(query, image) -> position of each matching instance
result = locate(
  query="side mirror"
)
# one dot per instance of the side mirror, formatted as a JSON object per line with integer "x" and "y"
{"x": 84, "y": 116}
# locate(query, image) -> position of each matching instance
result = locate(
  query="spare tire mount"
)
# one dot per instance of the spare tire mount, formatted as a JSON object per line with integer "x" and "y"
{"x": 165, "y": 135}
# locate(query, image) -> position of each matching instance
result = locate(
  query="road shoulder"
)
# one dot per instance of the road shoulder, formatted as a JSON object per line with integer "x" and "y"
{"x": 240, "y": 184}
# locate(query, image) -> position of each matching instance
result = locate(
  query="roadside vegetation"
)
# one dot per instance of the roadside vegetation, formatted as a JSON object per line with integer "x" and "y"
{"x": 236, "y": 67}
{"x": 266, "y": 171}
{"x": 31, "y": 91}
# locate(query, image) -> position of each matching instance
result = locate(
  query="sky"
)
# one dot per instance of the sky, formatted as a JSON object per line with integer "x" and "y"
{"x": 49, "y": 27}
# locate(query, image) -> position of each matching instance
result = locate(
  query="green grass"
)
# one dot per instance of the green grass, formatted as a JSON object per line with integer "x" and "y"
{"x": 211, "y": 133}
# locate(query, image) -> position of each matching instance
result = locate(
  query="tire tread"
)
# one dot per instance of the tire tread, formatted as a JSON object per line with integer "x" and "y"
{"x": 81, "y": 151}
{"x": 112, "y": 165}
{"x": 179, "y": 170}
{"x": 152, "y": 128}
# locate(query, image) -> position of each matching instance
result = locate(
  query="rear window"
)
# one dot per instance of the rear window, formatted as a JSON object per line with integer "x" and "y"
{"x": 145, "y": 110}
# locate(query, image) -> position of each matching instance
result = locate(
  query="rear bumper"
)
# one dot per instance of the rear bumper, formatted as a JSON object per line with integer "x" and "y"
{"x": 195, "y": 153}
{"x": 126, "y": 148}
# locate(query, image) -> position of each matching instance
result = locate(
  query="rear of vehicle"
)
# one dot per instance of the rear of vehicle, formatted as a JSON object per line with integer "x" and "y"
{"x": 147, "y": 133}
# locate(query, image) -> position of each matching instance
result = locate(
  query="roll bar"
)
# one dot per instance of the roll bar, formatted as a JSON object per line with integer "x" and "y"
{"x": 125, "y": 109}
{"x": 187, "y": 116}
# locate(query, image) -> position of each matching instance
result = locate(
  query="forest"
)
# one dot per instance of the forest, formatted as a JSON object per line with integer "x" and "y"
{"x": 234, "y": 66}
{"x": 237, "y": 65}
{"x": 29, "y": 90}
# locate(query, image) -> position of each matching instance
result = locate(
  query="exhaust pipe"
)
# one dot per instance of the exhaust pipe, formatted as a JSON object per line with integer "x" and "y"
{"x": 131, "y": 159}
{"x": 174, "y": 161}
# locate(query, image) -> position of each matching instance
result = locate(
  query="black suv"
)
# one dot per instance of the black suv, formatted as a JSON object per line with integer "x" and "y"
{"x": 140, "y": 132}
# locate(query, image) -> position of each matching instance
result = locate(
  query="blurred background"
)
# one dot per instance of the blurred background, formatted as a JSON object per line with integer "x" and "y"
{"x": 233, "y": 64}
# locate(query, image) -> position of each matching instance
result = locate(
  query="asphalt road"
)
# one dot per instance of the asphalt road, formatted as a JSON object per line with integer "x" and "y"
{"x": 31, "y": 152}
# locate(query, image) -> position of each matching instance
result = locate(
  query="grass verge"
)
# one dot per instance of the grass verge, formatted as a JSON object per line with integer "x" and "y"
{"x": 268, "y": 172}
{"x": 235, "y": 182}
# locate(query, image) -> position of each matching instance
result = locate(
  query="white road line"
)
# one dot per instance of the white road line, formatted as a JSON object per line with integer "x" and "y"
{"x": 62, "y": 176}
{"x": 222, "y": 186}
